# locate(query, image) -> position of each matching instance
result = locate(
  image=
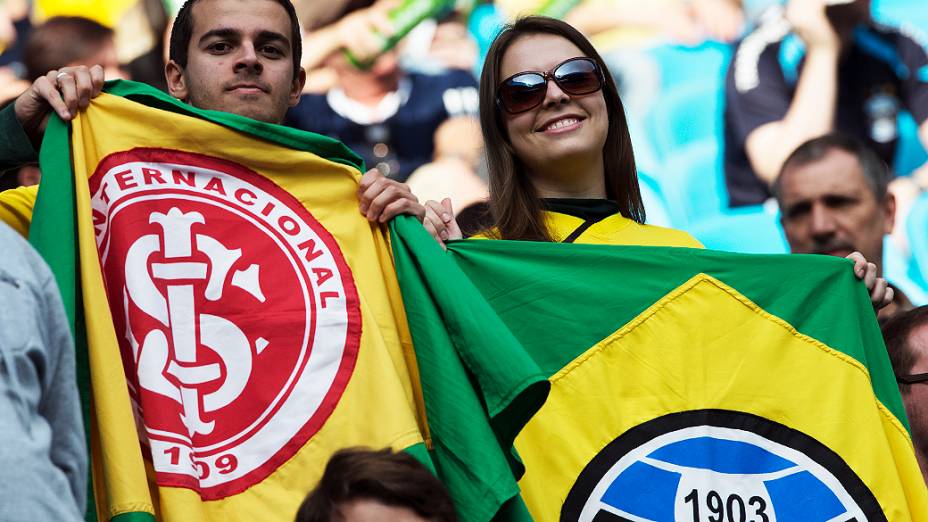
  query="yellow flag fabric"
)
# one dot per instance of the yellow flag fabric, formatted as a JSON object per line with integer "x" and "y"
{"x": 242, "y": 317}
{"x": 688, "y": 384}
{"x": 706, "y": 313}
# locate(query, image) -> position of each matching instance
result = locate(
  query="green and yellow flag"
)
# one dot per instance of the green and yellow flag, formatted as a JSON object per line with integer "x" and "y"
{"x": 686, "y": 385}
{"x": 238, "y": 319}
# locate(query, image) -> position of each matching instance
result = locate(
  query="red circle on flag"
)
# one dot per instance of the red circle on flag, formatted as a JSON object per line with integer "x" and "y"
{"x": 237, "y": 316}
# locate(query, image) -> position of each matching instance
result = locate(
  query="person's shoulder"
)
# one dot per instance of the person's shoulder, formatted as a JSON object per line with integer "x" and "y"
{"x": 20, "y": 261}
{"x": 759, "y": 53}
{"x": 905, "y": 38}
{"x": 653, "y": 235}
{"x": 310, "y": 109}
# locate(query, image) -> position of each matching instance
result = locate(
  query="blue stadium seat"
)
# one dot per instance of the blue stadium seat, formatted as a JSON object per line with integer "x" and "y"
{"x": 901, "y": 270}
{"x": 748, "y": 230}
{"x": 682, "y": 65}
{"x": 901, "y": 12}
{"x": 687, "y": 114}
{"x": 692, "y": 183}
{"x": 910, "y": 153}
{"x": 917, "y": 231}
{"x": 654, "y": 204}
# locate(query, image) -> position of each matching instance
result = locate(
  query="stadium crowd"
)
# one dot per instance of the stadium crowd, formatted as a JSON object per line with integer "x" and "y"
{"x": 757, "y": 126}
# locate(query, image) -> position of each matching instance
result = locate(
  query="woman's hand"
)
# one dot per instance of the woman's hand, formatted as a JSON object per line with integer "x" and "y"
{"x": 881, "y": 294}
{"x": 440, "y": 222}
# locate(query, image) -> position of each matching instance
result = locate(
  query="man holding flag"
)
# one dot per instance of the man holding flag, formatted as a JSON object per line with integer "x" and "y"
{"x": 240, "y": 321}
{"x": 257, "y": 75}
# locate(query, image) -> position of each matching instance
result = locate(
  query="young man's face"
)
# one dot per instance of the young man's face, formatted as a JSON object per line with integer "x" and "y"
{"x": 239, "y": 60}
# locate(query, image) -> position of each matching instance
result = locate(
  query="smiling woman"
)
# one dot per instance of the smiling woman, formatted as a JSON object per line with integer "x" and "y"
{"x": 560, "y": 157}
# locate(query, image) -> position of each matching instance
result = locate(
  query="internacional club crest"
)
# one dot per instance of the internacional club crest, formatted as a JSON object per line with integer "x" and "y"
{"x": 715, "y": 466}
{"x": 237, "y": 315}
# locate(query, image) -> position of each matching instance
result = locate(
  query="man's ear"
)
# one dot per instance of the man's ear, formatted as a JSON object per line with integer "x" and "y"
{"x": 177, "y": 83}
{"x": 296, "y": 88}
{"x": 889, "y": 212}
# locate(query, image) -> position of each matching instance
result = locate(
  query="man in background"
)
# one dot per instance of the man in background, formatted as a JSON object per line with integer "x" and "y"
{"x": 833, "y": 198}
{"x": 818, "y": 67}
{"x": 386, "y": 114}
{"x": 906, "y": 337}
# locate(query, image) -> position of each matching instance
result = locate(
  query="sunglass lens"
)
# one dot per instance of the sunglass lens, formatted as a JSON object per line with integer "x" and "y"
{"x": 523, "y": 92}
{"x": 579, "y": 76}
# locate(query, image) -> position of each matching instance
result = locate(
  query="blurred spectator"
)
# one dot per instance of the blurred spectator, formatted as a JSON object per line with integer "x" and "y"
{"x": 387, "y": 115}
{"x": 833, "y": 197}
{"x": 817, "y": 66}
{"x": 15, "y": 27}
{"x": 363, "y": 485}
{"x": 453, "y": 172}
{"x": 684, "y": 22}
{"x": 43, "y": 457}
{"x": 68, "y": 41}
{"x": 64, "y": 41}
{"x": 906, "y": 337}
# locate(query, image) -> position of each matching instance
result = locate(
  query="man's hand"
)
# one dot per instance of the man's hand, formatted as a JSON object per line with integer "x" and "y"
{"x": 382, "y": 199}
{"x": 881, "y": 294}
{"x": 440, "y": 222}
{"x": 66, "y": 91}
{"x": 810, "y": 22}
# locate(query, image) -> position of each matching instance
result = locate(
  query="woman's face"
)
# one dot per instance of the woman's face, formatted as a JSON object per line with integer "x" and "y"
{"x": 565, "y": 129}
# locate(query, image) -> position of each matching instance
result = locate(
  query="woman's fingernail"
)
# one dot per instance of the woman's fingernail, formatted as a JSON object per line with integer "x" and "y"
{"x": 444, "y": 235}
{"x": 446, "y": 217}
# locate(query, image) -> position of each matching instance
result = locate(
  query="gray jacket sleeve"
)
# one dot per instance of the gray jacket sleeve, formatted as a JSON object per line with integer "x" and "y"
{"x": 61, "y": 401}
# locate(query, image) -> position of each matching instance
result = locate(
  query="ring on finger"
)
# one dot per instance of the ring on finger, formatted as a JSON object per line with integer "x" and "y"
{"x": 59, "y": 75}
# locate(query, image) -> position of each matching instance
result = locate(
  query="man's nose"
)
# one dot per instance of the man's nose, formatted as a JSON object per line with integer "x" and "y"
{"x": 248, "y": 59}
{"x": 822, "y": 221}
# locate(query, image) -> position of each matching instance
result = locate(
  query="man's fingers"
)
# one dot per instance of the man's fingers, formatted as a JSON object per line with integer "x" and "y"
{"x": 870, "y": 277}
{"x": 888, "y": 297}
{"x": 860, "y": 264}
{"x": 47, "y": 91}
{"x": 878, "y": 293}
{"x": 84, "y": 84}
{"x": 68, "y": 88}
{"x": 97, "y": 78}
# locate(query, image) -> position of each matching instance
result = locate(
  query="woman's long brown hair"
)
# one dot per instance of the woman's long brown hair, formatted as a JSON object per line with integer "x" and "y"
{"x": 514, "y": 203}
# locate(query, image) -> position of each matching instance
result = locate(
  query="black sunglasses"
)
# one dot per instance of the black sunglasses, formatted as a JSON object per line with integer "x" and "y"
{"x": 526, "y": 90}
{"x": 912, "y": 379}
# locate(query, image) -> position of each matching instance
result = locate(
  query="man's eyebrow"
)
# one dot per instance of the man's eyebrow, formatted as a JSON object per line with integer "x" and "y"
{"x": 271, "y": 36}
{"x": 222, "y": 32}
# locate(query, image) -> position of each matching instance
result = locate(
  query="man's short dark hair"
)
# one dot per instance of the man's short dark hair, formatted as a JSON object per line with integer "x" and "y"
{"x": 875, "y": 170}
{"x": 392, "y": 478}
{"x": 63, "y": 40}
{"x": 182, "y": 32}
{"x": 896, "y": 333}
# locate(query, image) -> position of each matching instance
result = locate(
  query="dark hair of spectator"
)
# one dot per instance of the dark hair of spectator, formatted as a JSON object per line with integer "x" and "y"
{"x": 392, "y": 478}
{"x": 896, "y": 332}
{"x": 875, "y": 170}
{"x": 516, "y": 208}
{"x": 63, "y": 40}
{"x": 182, "y": 32}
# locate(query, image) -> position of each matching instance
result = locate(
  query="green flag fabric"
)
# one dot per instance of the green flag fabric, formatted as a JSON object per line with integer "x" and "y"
{"x": 685, "y": 383}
